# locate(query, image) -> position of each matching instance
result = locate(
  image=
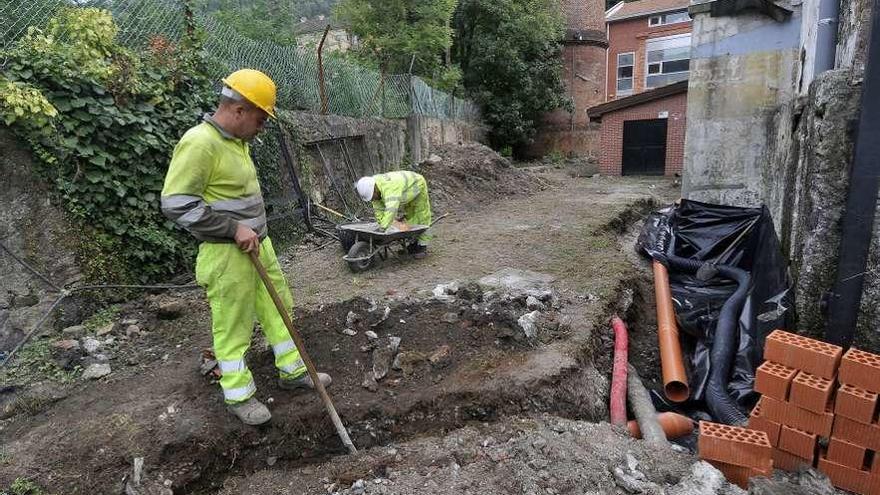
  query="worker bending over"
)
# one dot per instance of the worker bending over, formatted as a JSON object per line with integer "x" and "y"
{"x": 401, "y": 192}
{"x": 211, "y": 190}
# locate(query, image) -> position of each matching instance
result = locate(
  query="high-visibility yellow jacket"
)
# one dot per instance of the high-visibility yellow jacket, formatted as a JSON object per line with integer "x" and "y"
{"x": 397, "y": 189}
{"x": 211, "y": 185}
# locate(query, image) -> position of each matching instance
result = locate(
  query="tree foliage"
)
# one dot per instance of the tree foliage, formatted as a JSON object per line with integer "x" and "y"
{"x": 401, "y": 33}
{"x": 266, "y": 20}
{"x": 102, "y": 122}
{"x": 509, "y": 52}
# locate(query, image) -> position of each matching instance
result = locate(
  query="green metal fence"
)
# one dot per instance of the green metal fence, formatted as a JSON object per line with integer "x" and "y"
{"x": 350, "y": 89}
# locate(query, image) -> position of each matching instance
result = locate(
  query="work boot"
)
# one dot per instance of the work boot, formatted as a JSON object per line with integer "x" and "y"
{"x": 251, "y": 412}
{"x": 420, "y": 251}
{"x": 304, "y": 382}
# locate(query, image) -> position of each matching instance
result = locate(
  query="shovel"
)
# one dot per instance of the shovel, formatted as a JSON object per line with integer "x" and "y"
{"x": 310, "y": 366}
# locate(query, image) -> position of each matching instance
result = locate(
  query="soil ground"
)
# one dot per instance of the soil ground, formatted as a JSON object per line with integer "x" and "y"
{"x": 471, "y": 391}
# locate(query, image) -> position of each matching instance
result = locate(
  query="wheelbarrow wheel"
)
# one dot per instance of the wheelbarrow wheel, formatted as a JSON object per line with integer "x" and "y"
{"x": 359, "y": 249}
{"x": 346, "y": 238}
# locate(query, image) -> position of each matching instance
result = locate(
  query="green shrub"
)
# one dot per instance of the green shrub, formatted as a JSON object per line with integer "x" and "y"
{"x": 102, "y": 122}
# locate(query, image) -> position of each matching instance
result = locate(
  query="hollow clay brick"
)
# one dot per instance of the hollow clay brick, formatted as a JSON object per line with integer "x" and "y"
{"x": 787, "y": 413}
{"x": 846, "y": 453}
{"x": 734, "y": 445}
{"x": 740, "y": 475}
{"x": 788, "y": 461}
{"x": 797, "y": 442}
{"x": 758, "y": 421}
{"x": 811, "y": 392}
{"x": 774, "y": 380}
{"x": 855, "y": 403}
{"x": 861, "y": 434}
{"x": 861, "y": 369}
{"x": 796, "y": 351}
{"x": 847, "y": 478}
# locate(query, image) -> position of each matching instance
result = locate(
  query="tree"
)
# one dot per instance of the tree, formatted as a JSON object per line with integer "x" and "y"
{"x": 509, "y": 52}
{"x": 401, "y": 33}
{"x": 261, "y": 20}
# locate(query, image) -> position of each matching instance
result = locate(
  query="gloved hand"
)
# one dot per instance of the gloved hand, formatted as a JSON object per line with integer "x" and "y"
{"x": 401, "y": 226}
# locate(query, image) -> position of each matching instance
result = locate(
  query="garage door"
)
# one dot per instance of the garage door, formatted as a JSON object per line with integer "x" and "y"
{"x": 644, "y": 147}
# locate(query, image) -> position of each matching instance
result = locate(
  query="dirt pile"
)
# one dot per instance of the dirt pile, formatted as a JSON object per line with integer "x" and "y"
{"x": 544, "y": 454}
{"x": 463, "y": 176}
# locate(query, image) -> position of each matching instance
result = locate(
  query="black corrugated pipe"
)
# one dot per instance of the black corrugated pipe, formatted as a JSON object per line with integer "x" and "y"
{"x": 861, "y": 204}
{"x": 721, "y": 404}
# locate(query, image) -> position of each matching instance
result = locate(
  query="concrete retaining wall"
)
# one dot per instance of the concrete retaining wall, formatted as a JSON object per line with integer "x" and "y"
{"x": 763, "y": 129}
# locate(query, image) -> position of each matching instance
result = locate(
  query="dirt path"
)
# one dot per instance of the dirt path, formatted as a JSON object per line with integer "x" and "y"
{"x": 555, "y": 231}
{"x": 468, "y": 360}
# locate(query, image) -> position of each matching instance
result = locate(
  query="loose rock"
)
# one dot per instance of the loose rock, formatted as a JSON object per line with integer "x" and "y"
{"x": 441, "y": 356}
{"x": 528, "y": 324}
{"x": 358, "y": 487}
{"x": 104, "y": 330}
{"x": 66, "y": 345}
{"x": 74, "y": 331}
{"x": 351, "y": 319}
{"x": 169, "y": 310}
{"x": 371, "y": 335}
{"x": 349, "y": 332}
{"x": 383, "y": 356}
{"x": 450, "y": 317}
{"x": 132, "y": 331}
{"x": 25, "y": 301}
{"x": 369, "y": 382}
{"x": 95, "y": 371}
{"x": 91, "y": 345}
{"x": 434, "y": 159}
{"x": 534, "y": 304}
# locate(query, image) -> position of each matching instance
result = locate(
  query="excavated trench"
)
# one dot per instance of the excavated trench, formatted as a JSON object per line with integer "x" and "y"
{"x": 458, "y": 362}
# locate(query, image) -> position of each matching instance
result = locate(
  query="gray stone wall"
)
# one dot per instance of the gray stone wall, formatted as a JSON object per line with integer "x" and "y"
{"x": 752, "y": 139}
{"x": 384, "y": 140}
{"x": 743, "y": 70}
{"x": 818, "y": 193}
{"x": 34, "y": 230}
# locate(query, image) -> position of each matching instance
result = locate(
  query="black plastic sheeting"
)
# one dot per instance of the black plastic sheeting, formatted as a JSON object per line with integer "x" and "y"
{"x": 727, "y": 235}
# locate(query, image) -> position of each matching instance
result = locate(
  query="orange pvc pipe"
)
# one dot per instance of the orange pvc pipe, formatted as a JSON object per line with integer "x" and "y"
{"x": 675, "y": 384}
{"x": 674, "y": 426}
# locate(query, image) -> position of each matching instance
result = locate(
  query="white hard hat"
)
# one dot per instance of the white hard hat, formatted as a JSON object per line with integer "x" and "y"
{"x": 365, "y": 187}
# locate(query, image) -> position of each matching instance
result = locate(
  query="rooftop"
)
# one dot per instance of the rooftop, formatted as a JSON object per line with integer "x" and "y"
{"x": 596, "y": 113}
{"x": 315, "y": 25}
{"x": 642, "y": 8}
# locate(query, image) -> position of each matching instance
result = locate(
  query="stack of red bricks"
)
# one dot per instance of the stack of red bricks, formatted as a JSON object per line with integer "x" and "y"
{"x": 806, "y": 423}
{"x": 739, "y": 453}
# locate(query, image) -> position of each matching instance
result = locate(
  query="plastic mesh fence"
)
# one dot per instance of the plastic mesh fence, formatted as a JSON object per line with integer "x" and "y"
{"x": 350, "y": 89}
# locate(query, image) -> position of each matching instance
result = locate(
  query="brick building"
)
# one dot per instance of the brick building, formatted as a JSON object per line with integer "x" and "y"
{"x": 583, "y": 54}
{"x": 643, "y": 123}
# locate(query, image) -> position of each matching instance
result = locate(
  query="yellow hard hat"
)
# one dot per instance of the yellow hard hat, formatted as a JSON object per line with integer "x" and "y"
{"x": 255, "y": 86}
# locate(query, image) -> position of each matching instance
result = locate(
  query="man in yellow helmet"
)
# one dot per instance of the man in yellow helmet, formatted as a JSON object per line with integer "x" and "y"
{"x": 399, "y": 193}
{"x": 211, "y": 190}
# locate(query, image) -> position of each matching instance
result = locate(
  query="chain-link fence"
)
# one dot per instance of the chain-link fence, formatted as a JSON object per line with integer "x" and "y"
{"x": 350, "y": 89}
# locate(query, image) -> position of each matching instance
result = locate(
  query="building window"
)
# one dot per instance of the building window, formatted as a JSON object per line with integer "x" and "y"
{"x": 670, "y": 18}
{"x": 668, "y": 60}
{"x": 625, "y": 63}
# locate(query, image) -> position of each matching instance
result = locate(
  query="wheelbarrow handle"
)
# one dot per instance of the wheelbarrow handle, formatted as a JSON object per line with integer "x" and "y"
{"x": 441, "y": 217}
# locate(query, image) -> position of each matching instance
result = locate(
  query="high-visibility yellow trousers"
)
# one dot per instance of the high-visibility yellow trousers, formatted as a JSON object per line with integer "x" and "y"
{"x": 237, "y": 296}
{"x": 418, "y": 211}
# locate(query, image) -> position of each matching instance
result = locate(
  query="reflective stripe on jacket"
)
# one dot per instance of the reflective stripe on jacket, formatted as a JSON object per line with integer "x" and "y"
{"x": 211, "y": 185}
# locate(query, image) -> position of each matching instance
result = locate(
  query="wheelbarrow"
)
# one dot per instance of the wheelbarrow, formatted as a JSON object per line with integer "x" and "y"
{"x": 368, "y": 242}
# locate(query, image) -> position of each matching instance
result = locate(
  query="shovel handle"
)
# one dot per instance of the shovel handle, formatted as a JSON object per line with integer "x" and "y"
{"x": 310, "y": 366}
